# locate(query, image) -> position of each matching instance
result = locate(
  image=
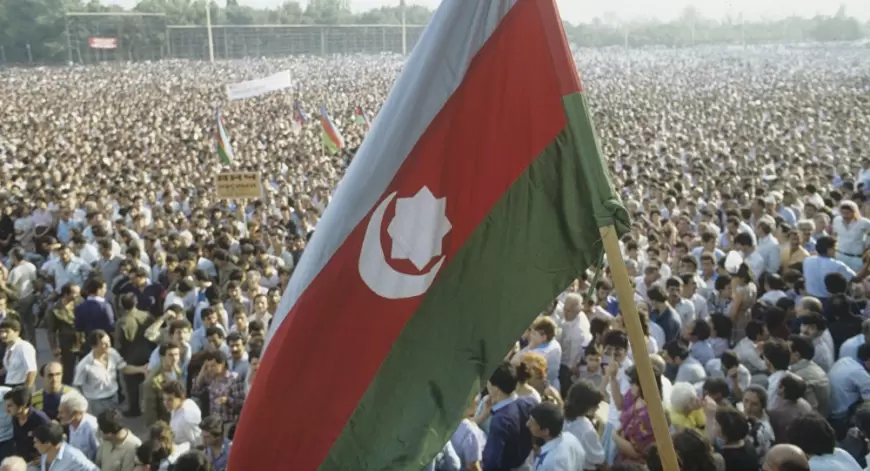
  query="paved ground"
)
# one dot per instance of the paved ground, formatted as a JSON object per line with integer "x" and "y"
{"x": 43, "y": 355}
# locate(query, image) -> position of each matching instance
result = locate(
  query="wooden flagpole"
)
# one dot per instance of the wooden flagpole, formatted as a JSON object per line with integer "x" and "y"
{"x": 628, "y": 308}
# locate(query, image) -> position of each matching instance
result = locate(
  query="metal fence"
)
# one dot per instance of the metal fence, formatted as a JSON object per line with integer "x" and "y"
{"x": 235, "y": 42}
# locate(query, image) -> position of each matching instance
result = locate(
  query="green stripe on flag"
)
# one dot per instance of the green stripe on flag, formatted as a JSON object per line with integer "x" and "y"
{"x": 222, "y": 154}
{"x": 328, "y": 142}
{"x": 539, "y": 236}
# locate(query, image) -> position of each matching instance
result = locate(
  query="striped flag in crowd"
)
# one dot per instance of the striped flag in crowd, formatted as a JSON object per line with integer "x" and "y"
{"x": 332, "y": 138}
{"x": 222, "y": 140}
{"x": 361, "y": 117}
{"x": 299, "y": 118}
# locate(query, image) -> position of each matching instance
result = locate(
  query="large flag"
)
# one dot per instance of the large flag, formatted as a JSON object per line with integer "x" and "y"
{"x": 476, "y": 200}
{"x": 299, "y": 118}
{"x": 332, "y": 138}
{"x": 222, "y": 140}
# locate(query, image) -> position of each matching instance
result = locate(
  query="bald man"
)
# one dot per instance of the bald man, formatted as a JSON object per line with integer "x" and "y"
{"x": 13, "y": 463}
{"x": 786, "y": 458}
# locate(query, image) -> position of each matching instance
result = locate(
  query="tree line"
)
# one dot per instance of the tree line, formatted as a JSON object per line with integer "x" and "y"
{"x": 35, "y": 31}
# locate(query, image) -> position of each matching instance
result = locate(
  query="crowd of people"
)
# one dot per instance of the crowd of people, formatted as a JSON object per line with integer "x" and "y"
{"x": 745, "y": 172}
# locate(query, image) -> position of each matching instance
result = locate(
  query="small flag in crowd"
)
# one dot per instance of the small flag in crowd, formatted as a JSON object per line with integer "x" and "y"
{"x": 222, "y": 140}
{"x": 299, "y": 118}
{"x": 362, "y": 118}
{"x": 332, "y": 138}
{"x": 452, "y": 190}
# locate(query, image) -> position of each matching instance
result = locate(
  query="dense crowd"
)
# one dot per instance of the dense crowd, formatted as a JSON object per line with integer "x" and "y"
{"x": 745, "y": 171}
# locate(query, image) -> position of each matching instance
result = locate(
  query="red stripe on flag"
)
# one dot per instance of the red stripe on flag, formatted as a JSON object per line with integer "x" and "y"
{"x": 563, "y": 62}
{"x": 325, "y": 354}
{"x": 330, "y": 131}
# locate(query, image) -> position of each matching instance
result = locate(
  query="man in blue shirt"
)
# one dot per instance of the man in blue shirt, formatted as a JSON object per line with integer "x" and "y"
{"x": 817, "y": 267}
{"x": 55, "y": 454}
{"x": 150, "y": 296}
{"x": 217, "y": 448}
{"x": 850, "y": 385}
{"x": 663, "y": 314}
{"x": 850, "y": 346}
{"x": 94, "y": 313}
{"x": 509, "y": 441}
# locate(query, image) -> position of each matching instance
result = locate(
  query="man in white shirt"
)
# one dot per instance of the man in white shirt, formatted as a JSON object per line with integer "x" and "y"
{"x": 684, "y": 307}
{"x": 85, "y": 251}
{"x": 574, "y": 338}
{"x": 185, "y": 415}
{"x": 96, "y": 374}
{"x": 747, "y": 350}
{"x": 22, "y": 275}
{"x": 19, "y": 362}
{"x": 651, "y": 276}
{"x": 561, "y": 451}
{"x": 814, "y": 326}
{"x": 851, "y": 231}
{"x": 744, "y": 244}
{"x": 689, "y": 292}
{"x": 768, "y": 246}
{"x": 688, "y": 369}
{"x": 83, "y": 428}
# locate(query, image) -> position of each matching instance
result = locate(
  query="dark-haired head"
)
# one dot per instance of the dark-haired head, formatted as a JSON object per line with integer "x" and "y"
{"x": 583, "y": 399}
{"x": 546, "y": 421}
{"x": 812, "y": 433}
{"x": 503, "y": 381}
{"x": 732, "y": 424}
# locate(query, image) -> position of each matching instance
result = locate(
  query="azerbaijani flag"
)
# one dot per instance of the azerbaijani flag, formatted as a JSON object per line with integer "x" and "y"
{"x": 476, "y": 201}
{"x": 299, "y": 118}
{"x": 222, "y": 139}
{"x": 362, "y": 118}
{"x": 332, "y": 138}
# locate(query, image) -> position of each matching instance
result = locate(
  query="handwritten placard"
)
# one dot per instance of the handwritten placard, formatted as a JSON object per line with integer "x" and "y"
{"x": 238, "y": 185}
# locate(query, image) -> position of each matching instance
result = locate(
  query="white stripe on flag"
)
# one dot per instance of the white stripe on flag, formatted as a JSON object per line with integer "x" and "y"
{"x": 419, "y": 94}
{"x": 253, "y": 88}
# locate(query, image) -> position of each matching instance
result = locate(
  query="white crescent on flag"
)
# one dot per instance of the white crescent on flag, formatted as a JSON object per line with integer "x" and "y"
{"x": 377, "y": 274}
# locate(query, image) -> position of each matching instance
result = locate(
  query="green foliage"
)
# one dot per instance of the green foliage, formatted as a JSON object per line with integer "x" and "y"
{"x": 693, "y": 29}
{"x": 31, "y": 24}
{"x": 39, "y": 26}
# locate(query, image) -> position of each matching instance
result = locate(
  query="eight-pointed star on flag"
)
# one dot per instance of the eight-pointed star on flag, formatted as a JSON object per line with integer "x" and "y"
{"x": 418, "y": 227}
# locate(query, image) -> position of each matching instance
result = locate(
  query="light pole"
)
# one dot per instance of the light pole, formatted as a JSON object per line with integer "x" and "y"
{"x": 208, "y": 29}
{"x": 404, "y": 28}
